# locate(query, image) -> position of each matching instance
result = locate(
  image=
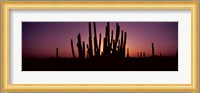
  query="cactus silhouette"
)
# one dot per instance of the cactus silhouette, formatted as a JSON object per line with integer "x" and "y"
{"x": 95, "y": 40}
{"x": 143, "y": 54}
{"x": 118, "y": 46}
{"x": 127, "y": 53}
{"x": 107, "y": 47}
{"x": 81, "y": 48}
{"x": 121, "y": 46}
{"x": 111, "y": 40}
{"x": 106, "y": 41}
{"x": 116, "y": 38}
{"x": 57, "y": 54}
{"x": 140, "y": 54}
{"x": 99, "y": 48}
{"x": 152, "y": 50}
{"x": 96, "y": 46}
{"x": 111, "y": 47}
{"x": 124, "y": 45}
{"x": 90, "y": 49}
{"x": 114, "y": 47}
{"x": 72, "y": 47}
{"x": 104, "y": 47}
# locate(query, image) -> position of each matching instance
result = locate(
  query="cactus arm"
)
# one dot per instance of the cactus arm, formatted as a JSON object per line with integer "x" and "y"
{"x": 72, "y": 47}
{"x": 83, "y": 50}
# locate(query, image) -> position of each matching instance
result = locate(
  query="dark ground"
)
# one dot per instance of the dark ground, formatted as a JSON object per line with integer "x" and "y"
{"x": 102, "y": 64}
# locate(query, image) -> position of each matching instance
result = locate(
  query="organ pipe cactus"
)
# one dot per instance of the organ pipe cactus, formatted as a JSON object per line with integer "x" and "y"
{"x": 152, "y": 50}
{"x": 72, "y": 47}
{"x": 81, "y": 48}
{"x": 111, "y": 47}
{"x": 90, "y": 49}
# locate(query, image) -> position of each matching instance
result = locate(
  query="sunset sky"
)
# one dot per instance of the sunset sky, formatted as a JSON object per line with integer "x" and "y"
{"x": 40, "y": 39}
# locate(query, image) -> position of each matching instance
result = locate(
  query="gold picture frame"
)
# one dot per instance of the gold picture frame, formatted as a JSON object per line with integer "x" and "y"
{"x": 7, "y": 87}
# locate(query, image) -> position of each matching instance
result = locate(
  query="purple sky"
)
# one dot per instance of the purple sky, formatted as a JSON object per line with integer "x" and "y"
{"x": 40, "y": 39}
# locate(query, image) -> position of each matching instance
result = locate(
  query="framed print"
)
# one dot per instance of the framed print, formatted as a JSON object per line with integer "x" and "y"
{"x": 100, "y": 46}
